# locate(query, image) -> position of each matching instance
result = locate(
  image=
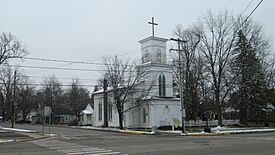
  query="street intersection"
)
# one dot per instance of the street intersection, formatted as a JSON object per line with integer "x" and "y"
{"x": 73, "y": 141}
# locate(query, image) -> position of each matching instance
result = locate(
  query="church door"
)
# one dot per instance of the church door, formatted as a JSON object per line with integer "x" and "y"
{"x": 166, "y": 116}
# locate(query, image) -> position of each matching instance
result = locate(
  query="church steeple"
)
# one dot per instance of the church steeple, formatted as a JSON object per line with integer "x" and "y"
{"x": 153, "y": 57}
{"x": 153, "y": 49}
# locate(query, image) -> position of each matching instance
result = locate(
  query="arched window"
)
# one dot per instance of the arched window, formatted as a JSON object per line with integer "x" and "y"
{"x": 110, "y": 111}
{"x": 144, "y": 115}
{"x": 100, "y": 111}
{"x": 162, "y": 86}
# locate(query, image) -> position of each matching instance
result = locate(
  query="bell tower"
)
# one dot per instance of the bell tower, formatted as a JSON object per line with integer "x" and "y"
{"x": 153, "y": 50}
{"x": 153, "y": 58}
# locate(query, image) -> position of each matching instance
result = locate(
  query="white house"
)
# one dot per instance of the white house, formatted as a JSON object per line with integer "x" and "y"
{"x": 161, "y": 107}
{"x": 64, "y": 118}
{"x": 37, "y": 114}
{"x": 86, "y": 116}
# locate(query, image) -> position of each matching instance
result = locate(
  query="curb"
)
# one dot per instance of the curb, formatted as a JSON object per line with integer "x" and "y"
{"x": 7, "y": 141}
{"x": 119, "y": 131}
{"x": 137, "y": 132}
{"x": 32, "y": 139}
{"x": 132, "y": 132}
{"x": 207, "y": 134}
{"x": 228, "y": 133}
{"x": 18, "y": 130}
{"x": 23, "y": 140}
{"x": 27, "y": 139}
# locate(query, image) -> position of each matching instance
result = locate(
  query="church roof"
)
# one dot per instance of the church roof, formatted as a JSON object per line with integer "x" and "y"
{"x": 153, "y": 38}
{"x": 151, "y": 64}
{"x": 161, "y": 98}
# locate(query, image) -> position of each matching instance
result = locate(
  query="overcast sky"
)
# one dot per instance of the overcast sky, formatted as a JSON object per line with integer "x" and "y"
{"x": 87, "y": 30}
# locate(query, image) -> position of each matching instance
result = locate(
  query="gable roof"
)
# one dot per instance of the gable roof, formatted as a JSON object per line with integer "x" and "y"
{"x": 87, "y": 110}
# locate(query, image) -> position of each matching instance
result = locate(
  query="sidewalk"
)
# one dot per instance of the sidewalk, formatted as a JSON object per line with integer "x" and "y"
{"x": 18, "y": 130}
{"x": 114, "y": 130}
{"x": 8, "y": 135}
{"x": 217, "y": 131}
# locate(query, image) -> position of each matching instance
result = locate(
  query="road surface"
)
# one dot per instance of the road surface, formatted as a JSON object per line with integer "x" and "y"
{"x": 80, "y": 141}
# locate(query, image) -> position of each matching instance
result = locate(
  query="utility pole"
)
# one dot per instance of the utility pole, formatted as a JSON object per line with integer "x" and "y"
{"x": 13, "y": 102}
{"x": 43, "y": 118}
{"x": 105, "y": 102}
{"x": 183, "y": 114}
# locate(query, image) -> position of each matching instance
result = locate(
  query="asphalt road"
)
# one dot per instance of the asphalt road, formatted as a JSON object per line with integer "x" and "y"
{"x": 78, "y": 141}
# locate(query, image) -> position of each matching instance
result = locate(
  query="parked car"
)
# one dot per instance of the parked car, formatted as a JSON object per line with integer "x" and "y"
{"x": 21, "y": 121}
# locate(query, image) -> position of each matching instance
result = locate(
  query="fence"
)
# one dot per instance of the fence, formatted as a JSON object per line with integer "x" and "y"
{"x": 200, "y": 123}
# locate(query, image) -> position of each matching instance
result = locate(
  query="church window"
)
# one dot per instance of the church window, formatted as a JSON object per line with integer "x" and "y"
{"x": 142, "y": 59}
{"x": 158, "y": 55}
{"x": 144, "y": 115}
{"x": 146, "y": 55}
{"x": 110, "y": 111}
{"x": 99, "y": 111}
{"x": 162, "y": 85}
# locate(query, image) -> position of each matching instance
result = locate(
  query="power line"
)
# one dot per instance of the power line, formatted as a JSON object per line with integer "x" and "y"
{"x": 86, "y": 85}
{"x": 65, "y": 78}
{"x": 67, "y": 61}
{"x": 247, "y": 7}
{"x": 56, "y": 68}
{"x": 119, "y": 54}
{"x": 252, "y": 12}
{"x": 41, "y": 84}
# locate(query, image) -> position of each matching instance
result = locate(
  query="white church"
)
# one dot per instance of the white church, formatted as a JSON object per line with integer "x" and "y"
{"x": 162, "y": 108}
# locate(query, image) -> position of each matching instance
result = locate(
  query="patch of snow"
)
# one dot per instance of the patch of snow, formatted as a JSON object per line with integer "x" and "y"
{"x": 114, "y": 130}
{"x": 51, "y": 134}
{"x": 18, "y": 130}
{"x": 194, "y": 133}
{"x": 7, "y": 140}
{"x": 218, "y": 128}
{"x": 96, "y": 128}
{"x": 86, "y": 112}
{"x": 169, "y": 131}
{"x": 246, "y": 131}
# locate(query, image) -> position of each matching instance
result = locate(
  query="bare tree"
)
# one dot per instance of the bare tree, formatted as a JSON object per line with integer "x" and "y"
{"x": 190, "y": 69}
{"x": 53, "y": 92}
{"x": 78, "y": 97}
{"x": 6, "y": 91}
{"x": 124, "y": 79}
{"x": 9, "y": 79}
{"x": 10, "y": 47}
{"x": 217, "y": 39}
{"x": 25, "y": 97}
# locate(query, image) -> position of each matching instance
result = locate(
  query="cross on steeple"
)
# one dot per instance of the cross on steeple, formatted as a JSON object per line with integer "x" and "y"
{"x": 153, "y": 26}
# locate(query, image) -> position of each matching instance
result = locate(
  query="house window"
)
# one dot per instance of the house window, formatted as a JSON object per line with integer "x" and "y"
{"x": 144, "y": 115}
{"x": 99, "y": 111}
{"x": 110, "y": 111}
{"x": 162, "y": 85}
